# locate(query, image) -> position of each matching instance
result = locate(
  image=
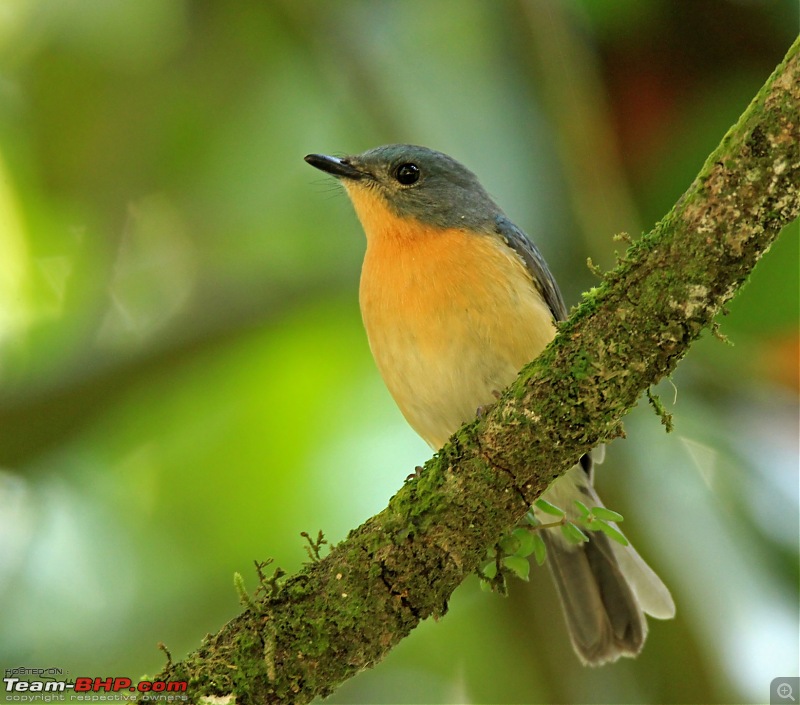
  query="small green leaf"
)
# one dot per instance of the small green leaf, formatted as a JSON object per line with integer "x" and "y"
{"x": 486, "y": 586}
{"x": 524, "y": 542}
{"x": 573, "y": 534}
{"x": 545, "y": 506}
{"x": 539, "y": 549}
{"x": 509, "y": 544}
{"x": 611, "y": 532}
{"x": 607, "y": 514}
{"x": 582, "y": 508}
{"x": 519, "y": 566}
{"x": 489, "y": 571}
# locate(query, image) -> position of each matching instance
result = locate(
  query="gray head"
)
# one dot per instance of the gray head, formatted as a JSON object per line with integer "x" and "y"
{"x": 417, "y": 182}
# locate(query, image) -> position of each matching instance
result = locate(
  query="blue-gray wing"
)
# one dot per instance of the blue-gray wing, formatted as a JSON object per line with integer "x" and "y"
{"x": 519, "y": 242}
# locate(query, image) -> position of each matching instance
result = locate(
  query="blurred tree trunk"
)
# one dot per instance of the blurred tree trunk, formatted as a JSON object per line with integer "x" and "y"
{"x": 298, "y": 638}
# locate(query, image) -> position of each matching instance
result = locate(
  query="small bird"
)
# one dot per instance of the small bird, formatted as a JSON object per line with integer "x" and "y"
{"x": 455, "y": 300}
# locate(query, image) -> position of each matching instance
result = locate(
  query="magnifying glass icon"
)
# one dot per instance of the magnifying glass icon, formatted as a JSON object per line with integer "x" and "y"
{"x": 784, "y": 691}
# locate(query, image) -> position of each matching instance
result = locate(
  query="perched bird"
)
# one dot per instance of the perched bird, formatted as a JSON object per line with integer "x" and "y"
{"x": 455, "y": 301}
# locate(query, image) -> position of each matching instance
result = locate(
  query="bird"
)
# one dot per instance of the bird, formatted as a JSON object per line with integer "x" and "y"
{"x": 455, "y": 300}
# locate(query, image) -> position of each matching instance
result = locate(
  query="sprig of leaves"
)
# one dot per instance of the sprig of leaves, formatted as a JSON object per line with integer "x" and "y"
{"x": 598, "y": 518}
{"x": 510, "y": 556}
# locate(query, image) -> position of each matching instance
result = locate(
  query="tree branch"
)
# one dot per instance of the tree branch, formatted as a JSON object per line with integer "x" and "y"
{"x": 300, "y": 637}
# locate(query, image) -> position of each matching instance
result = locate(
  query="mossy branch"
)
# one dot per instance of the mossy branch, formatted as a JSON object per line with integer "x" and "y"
{"x": 343, "y": 613}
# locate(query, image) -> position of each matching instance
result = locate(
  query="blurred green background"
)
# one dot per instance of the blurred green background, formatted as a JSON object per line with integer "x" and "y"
{"x": 184, "y": 382}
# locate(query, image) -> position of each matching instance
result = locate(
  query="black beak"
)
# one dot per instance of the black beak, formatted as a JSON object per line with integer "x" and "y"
{"x": 335, "y": 166}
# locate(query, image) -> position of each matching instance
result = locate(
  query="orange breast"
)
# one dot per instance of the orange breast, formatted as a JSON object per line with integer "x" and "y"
{"x": 450, "y": 316}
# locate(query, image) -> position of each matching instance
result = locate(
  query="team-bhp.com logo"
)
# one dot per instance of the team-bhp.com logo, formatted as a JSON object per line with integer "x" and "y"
{"x": 43, "y": 686}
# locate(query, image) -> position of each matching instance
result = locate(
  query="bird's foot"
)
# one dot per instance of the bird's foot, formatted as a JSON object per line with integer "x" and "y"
{"x": 416, "y": 474}
{"x": 483, "y": 408}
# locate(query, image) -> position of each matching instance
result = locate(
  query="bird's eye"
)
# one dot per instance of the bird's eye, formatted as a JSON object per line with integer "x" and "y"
{"x": 407, "y": 174}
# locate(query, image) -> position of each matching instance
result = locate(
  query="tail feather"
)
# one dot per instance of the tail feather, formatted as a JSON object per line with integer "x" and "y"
{"x": 603, "y": 615}
{"x": 652, "y": 594}
{"x": 605, "y": 588}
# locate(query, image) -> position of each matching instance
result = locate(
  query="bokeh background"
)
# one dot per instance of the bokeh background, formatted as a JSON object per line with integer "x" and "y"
{"x": 184, "y": 382}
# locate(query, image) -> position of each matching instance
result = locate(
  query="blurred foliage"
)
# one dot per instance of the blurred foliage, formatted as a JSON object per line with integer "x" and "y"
{"x": 184, "y": 382}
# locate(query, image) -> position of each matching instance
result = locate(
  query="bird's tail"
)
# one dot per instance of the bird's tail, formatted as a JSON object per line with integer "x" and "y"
{"x": 605, "y": 588}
